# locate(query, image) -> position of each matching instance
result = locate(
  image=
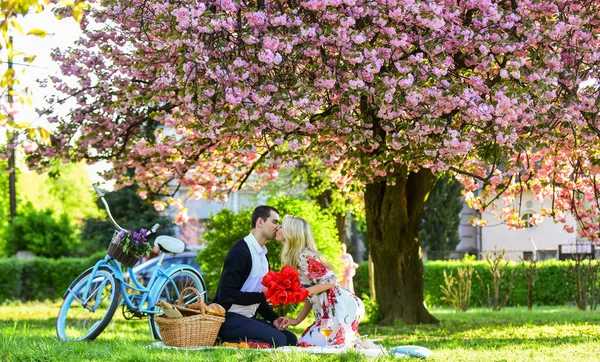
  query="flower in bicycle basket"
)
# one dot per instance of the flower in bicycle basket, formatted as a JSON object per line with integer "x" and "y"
{"x": 135, "y": 242}
{"x": 284, "y": 287}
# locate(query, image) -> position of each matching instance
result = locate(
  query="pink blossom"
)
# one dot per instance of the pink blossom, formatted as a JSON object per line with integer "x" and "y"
{"x": 9, "y": 109}
{"x": 159, "y": 206}
{"x": 181, "y": 217}
{"x": 29, "y": 146}
{"x": 294, "y": 145}
{"x": 229, "y": 5}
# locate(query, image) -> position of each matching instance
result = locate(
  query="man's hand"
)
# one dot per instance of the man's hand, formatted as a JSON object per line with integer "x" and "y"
{"x": 281, "y": 323}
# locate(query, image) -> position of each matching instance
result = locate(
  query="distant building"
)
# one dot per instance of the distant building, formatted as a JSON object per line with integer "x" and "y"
{"x": 199, "y": 212}
{"x": 535, "y": 242}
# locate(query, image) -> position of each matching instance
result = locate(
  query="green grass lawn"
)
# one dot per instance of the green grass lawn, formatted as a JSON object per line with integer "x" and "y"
{"x": 514, "y": 334}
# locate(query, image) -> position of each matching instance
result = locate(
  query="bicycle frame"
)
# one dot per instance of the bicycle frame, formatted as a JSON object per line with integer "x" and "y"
{"x": 148, "y": 292}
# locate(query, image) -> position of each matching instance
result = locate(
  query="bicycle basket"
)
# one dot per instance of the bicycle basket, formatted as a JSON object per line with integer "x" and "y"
{"x": 115, "y": 251}
{"x": 198, "y": 329}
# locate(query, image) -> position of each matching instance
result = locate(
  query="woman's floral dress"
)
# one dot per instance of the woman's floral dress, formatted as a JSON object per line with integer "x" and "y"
{"x": 342, "y": 307}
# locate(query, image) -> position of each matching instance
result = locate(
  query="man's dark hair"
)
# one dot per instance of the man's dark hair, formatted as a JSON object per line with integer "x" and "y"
{"x": 263, "y": 212}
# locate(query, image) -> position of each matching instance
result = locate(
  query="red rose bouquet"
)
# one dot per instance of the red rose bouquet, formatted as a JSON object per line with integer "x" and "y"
{"x": 284, "y": 287}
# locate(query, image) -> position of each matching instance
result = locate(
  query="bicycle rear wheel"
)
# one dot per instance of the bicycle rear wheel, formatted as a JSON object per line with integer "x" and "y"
{"x": 170, "y": 291}
{"x": 80, "y": 319}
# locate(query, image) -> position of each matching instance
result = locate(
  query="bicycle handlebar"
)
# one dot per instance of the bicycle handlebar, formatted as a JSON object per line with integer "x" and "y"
{"x": 101, "y": 195}
{"x": 98, "y": 191}
{"x": 153, "y": 229}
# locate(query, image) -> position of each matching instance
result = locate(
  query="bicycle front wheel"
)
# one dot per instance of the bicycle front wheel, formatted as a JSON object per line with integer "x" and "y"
{"x": 84, "y": 319}
{"x": 171, "y": 289}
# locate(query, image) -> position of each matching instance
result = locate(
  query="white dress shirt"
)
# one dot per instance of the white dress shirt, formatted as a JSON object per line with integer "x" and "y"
{"x": 260, "y": 268}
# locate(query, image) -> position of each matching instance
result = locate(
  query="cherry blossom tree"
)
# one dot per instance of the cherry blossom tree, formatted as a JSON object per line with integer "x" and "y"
{"x": 390, "y": 94}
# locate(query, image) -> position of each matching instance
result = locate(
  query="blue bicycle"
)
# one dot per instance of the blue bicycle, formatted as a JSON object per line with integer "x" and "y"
{"x": 93, "y": 297}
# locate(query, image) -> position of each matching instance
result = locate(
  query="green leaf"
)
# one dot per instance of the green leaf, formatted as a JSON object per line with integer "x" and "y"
{"x": 23, "y": 125}
{"x": 15, "y": 24}
{"x": 37, "y": 32}
{"x": 78, "y": 10}
{"x": 7, "y": 78}
{"x": 44, "y": 134}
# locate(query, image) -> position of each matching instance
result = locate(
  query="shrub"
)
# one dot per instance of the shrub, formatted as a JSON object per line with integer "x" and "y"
{"x": 226, "y": 227}
{"x": 503, "y": 281}
{"x": 40, "y": 278}
{"x": 372, "y": 311}
{"x": 10, "y": 279}
{"x": 529, "y": 271}
{"x": 582, "y": 277}
{"x": 223, "y": 230}
{"x": 551, "y": 286}
{"x": 41, "y": 233}
{"x": 457, "y": 290}
{"x": 361, "y": 279}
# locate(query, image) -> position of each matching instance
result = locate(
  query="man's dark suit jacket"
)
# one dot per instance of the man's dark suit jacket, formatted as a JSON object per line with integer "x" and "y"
{"x": 236, "y": 269}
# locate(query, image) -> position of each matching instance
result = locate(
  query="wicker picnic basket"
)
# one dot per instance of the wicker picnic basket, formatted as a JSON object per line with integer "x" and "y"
{"x": 196, "y": 328}
{"x": 115, "y": 251}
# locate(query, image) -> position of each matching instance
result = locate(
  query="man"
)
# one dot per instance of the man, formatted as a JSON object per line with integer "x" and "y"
{"x": 240, "y": 290}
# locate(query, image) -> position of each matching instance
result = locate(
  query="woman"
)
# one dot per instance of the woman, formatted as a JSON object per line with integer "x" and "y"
{"x": 337, "y": 310}
{"x": 349, "y": 269}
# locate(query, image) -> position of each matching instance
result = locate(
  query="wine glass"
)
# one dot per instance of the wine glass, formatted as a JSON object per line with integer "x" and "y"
{"x": 326, "y": 328}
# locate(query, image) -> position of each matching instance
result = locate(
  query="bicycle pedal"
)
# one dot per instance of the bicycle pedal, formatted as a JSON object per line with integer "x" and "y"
{"x": 129, "y": 313}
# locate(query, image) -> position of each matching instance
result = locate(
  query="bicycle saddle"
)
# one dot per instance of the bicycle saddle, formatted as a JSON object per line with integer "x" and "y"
{"x": 169, "y": 244}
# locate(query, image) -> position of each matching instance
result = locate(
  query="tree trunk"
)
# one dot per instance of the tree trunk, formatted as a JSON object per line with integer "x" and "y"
{"x": 324, "y": 201}
{"x": 394, "y": 214}
{"x": 372, "y": 291}
{"x": 340, "y": 223}
{"x": 12, "y": 179}
{"x": 12, "y": 165}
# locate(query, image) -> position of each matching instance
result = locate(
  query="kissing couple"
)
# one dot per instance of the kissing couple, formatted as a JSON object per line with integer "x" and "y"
{"x": 337, "y": 311}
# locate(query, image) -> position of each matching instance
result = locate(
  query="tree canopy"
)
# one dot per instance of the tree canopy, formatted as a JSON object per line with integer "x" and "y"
{"x": 206, "y": 92}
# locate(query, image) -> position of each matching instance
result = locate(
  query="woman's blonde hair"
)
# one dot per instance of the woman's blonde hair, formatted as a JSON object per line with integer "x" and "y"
{"x": 298, "y": 238}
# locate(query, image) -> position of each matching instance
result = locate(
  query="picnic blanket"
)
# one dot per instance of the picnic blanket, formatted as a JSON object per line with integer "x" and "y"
{"x": 374, "y": 351}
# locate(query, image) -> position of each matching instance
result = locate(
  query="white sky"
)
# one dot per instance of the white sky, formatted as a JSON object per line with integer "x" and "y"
{"x": 61, "y": 33}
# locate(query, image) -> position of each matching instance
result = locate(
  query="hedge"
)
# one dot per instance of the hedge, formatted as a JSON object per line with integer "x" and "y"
{"x": 550, "y": 286}
{"x": 40, "y": 278}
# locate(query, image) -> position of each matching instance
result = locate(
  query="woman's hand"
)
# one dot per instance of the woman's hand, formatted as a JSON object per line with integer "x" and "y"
{"x": 282, "y": 323}
{"x": 294, "y": 321}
